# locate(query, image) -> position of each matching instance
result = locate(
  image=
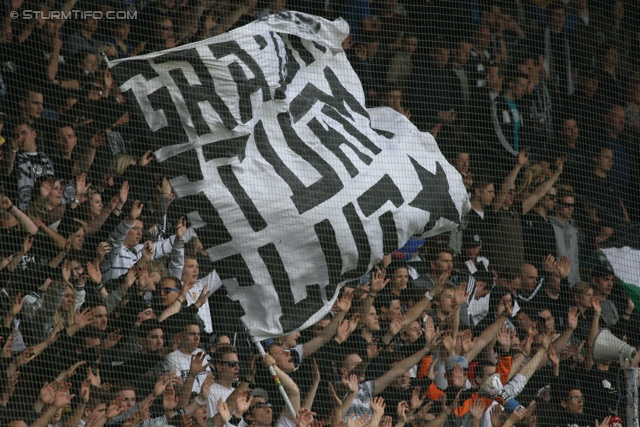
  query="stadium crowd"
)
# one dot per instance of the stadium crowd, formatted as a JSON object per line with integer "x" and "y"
{"x": 107, "y": 318}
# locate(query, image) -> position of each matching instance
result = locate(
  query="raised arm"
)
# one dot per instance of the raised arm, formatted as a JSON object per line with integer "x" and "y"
{"x": 593, "y": 332}
{"x": 344, "y": 305}
{"x": 510, "y": 180}
{"x": 25, "y": 222}
{"x": 530, "y": 202}
{"x": 485, "y": 338}
{"x": 404, "y": 365}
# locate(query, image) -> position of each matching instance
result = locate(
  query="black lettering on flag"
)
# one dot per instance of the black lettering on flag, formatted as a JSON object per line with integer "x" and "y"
{"x": 234, "y": 267}
{"x": 230, "y": 180}
{"x": 246, "y": 86}
{"x": 373, "y": 199}
{"x": 329, "y": 245}
{"x": 304, "y": 198}
{"x": 434, "y": 196}
{"x": 303, "y": 52}
{"x": 340, "y": 96}
{"x": 260, "y": 41}
{"x": 226, "y": 148}
{"x": 361, "y": 240}
{"x": 205, "y": 91}
{"x": 293, "y": 314}
{"x": 214, "y": 233}
{"x": 351, "y": 129}
{"x": 382, "y": 191}
{"x": 389, "y": 233}
{"x": 332, "y": 139}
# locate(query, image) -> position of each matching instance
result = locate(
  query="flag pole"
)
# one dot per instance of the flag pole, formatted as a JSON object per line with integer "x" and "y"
{"x": 277, "y": 381}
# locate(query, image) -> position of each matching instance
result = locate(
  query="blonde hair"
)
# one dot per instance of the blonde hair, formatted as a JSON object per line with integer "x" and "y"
{"x": 120, "y": 163}
{"x": 531, "y": 175}
{"x": 66, "y": 318}
{"x": 157, "y": 267}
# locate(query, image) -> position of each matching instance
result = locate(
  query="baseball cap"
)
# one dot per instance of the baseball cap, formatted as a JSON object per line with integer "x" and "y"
{"x": 452, "y": 361}
{"x": 471, "y": 240}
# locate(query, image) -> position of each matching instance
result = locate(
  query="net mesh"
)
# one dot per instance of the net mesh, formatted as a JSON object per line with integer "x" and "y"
{"x": 449, "y": 259}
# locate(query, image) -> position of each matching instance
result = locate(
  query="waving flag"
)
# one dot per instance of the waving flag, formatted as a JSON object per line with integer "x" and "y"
{"x": 295, "y": 186}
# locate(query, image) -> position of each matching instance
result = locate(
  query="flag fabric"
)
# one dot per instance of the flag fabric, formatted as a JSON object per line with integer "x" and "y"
{"x": 625, "y": 262}
{"x": 295, "y": 187}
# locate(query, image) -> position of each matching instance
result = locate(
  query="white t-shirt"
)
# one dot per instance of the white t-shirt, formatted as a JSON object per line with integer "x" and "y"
{"x": 210, "y": 283}
{"x": 179, "y": 362}
{"x": 217, "y": 392}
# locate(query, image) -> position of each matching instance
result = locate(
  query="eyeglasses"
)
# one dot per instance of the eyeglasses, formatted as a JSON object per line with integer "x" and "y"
{"x": 262, "y": 405}
{"x": 167, "y": 290}
{"x": 552, "y": 196}
{"x": 231, "y": 363}
{"x": 577, "y": 398}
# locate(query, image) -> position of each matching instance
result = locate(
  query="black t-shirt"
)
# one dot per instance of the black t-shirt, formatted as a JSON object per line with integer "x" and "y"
{"x": 539, "y": 238}
{"x": 605, "y": 196}
{"x": 601, "y": 392}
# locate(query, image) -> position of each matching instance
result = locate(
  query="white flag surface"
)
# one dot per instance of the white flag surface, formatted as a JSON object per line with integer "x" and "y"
{"x": 625, "y": 262}
{"x": 295, "y": 186}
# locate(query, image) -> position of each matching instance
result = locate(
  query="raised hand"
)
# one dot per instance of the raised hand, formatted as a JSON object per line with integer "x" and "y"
{"x": 94, "y": 273}
{"x": 18, "y": 302}
{"x": 304, "y": 417}
{"x": 378, "y": 406}
{"x": 197, "y": 364}
{"x": 181, "y": 228}
{"x": 467, "y": 341}
{"x": 223, "y": 410}
{"x": 572, "y": 318}
{"x": 148, "y": 250}
{"x": 564, "y": 266}
{"x": 402, "y": 411}
{"x": 101, "y": 251}
{"x": 162, "y": 383}
{"x": 146, "y": 158}
{"x": 136, "y": 209}
{"x": 344, "y": 302}
{"x": 25, "y": 357}
{"x": 243, "y": 402}
{"x": 47, "y": 393}
{"x": 65, "y": 270}
{"x": 132, "y": 275}
{"x": 111, "y": 340}
{"x": 65, "y": 375}
{"x": 83, "y": 318}
{"x": 378, "y": 280}
{"x": 206, "y": 385}
{"x": 351, "y": 382}
{"x": 477, "y": 409}
{"x": 82, "y": 188}
{"x": 94, "y": 379}
{"x": 417, "y": 399}
{"x": 123, "y": 194}
{"x": 595, "y": 304}
{"x": 202, "y": 298}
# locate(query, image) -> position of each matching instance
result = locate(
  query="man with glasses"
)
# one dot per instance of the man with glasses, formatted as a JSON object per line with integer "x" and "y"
{"x": 566, "y": 234}
{"x": 571, "y": 409}
{"x": 226, "y": 367}
{"x": 260, "y": 413}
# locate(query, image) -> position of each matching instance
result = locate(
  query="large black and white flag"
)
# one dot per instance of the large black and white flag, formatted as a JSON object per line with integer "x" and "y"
{"x": 297, "y": 188}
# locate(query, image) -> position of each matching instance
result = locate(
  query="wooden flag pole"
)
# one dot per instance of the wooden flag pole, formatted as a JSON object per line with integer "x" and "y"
{"x": 277, "y": 381}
